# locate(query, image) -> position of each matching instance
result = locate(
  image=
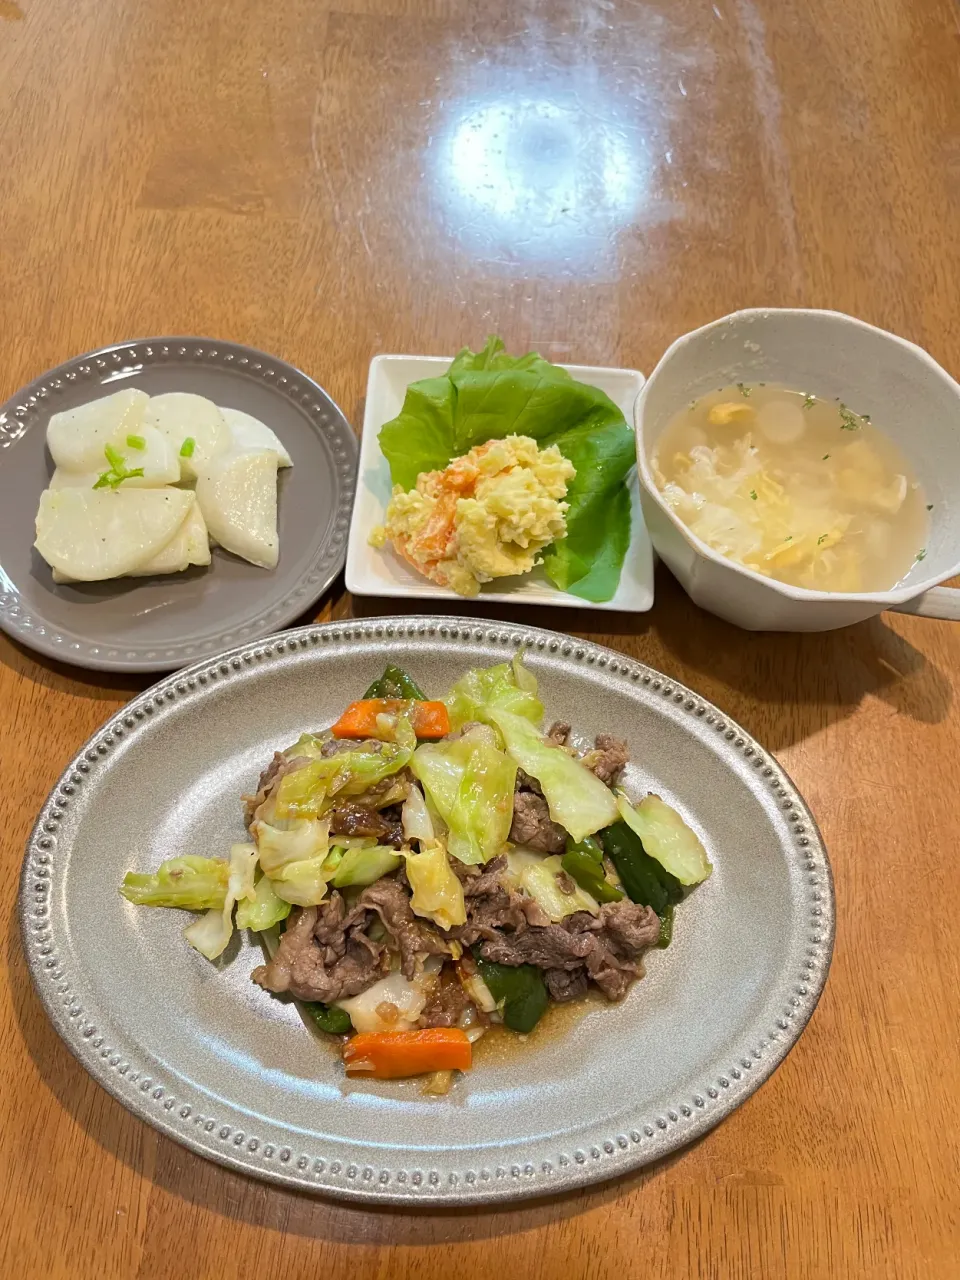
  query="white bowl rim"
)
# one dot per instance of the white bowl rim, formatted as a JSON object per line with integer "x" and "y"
{"x": 896, "y": 595}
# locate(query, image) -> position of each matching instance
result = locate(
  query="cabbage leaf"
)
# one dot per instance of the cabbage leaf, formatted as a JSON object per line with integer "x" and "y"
{"x": 307, "y": 791}
{"x": 359, "y": 866}
{"x": 191, "y": 882}
{"x": 539, "y": 877}
{"x": 304, "y": 883}
{"x": 508, "y": 685}
{"x": 470, "y": 782}
{"x": 293, "y": 840}
{"x": 211, "y": 933}
{"x": 264, "y": 911}
{"x": 576, "y": 798}
{"x": 488, "y": 395}
{"x": 366, "y": 1009}
{"x": 437, "y": 893}
{"x": 666, "y": 837}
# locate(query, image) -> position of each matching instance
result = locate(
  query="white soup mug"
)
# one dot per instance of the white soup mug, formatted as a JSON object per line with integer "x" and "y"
{"x": 908, "y": 397}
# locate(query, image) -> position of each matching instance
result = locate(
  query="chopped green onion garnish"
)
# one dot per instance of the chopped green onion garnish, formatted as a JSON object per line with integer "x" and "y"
{"x": 187, "y": 448}
{"x": 115, "y": 459}
{"x": 921, "y": 554}
{"x": 848, "y": 419}
{"x": 753, "y": 494}
{"x": 136, "y": 442}
{"x": 113, "y": 479}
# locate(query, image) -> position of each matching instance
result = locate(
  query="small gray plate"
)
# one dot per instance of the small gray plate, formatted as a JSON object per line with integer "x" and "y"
{"x": 201, "y": 1053}
{"x": 157, "y": 624}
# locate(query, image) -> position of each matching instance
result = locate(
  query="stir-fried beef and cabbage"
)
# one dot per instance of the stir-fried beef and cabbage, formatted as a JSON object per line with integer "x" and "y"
{"x": 425, "y": 869}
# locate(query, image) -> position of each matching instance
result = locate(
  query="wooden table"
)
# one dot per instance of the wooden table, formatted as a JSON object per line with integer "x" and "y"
{"x": 591, "y": 178}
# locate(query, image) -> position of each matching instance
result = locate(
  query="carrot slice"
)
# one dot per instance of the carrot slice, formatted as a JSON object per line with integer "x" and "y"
{"x": 429, "y": 719}
{"x": 391, "y": 1055}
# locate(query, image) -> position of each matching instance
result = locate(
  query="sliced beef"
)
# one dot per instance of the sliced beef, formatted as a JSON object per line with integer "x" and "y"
{"x": 606, "y": 949}
{"x": 533, "y": 913}
{"x": 327, "y": 954}
{"x": 491, "y": 905}
{"x": 324, "y": 955}
{"x": 607, "y": 758}
{"x": 551, "y": 947}
{"x": 480, "y": 882}
{"x": 447, "y": 1004}
{"x": 631, "y": 928}
{"x": 566, "y": 984}
{"x": 566, "y": 883}
{"x": 532, "y": 825}
{"x": 559, "y": 733}
{"x": 489, "y": 916}
{"x": 527, "y": 782}
{"x": 354, "y": 818}
{"x": 414, "y": 938}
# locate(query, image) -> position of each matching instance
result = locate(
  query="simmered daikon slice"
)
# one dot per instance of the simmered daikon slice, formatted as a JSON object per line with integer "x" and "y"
{"x": 91, "y": 534}
{"x": 63, "y": 479}
{"x": 150, "y": 451}
{"x": 248, "y": 432}
{"x": 194, "y": 427}
{"x": 77, "y": 437}
{"x": 781, "y": 421}
{"x": 238, "y": 497}
{"x": 189, "y": 545}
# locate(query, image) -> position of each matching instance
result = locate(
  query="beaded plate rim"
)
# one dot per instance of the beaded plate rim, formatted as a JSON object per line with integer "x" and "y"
{"x": 37, "y": 400}
{"x": 108, "y": 1056}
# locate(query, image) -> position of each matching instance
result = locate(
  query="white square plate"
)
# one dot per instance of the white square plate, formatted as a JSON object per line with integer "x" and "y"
{"x": 372, "y": 572}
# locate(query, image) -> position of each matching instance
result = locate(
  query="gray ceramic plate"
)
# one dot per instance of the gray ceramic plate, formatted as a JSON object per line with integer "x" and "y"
{"x": 208, "y": 1058}
{"x": 156, "y": 624}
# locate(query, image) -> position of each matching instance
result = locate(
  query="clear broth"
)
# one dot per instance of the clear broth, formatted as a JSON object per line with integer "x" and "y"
{"x": 795, "y": 487}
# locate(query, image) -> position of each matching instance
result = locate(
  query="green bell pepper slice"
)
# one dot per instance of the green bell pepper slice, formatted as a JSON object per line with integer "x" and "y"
{"x": 328, "y": 1017}
{"x": 644, "y": 879}
{"x": 587, "y": 870}
{"x": 520, "y": 988}
{"x": 395, "y": 683}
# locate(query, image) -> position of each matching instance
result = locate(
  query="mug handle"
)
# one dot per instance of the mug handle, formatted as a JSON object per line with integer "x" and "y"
{"x": 938, "y": 602}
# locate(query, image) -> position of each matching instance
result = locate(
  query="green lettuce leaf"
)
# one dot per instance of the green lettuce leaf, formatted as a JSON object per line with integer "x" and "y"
{"x": 487, "y": 395}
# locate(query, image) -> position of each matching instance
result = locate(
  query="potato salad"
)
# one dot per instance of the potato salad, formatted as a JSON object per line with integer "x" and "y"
{"x": 487, "y": 515}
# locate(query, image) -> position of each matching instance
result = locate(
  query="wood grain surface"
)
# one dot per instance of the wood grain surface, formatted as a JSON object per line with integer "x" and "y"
{"x": 590, "y": 177}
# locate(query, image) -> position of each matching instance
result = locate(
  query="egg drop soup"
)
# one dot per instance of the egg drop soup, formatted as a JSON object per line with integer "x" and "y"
{"x": 797, "y": 488}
